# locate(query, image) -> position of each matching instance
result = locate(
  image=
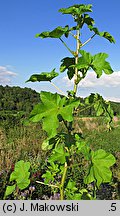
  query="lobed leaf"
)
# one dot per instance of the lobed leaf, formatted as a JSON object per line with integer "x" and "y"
{"x": 21, "y": 174}
{"x": 96, "y": 62}
{"x": 23, "y": 183}
{"x": 82, "y": 146}
{"x": 72, "y": 186}
{"x": 48, "y": 177}
{"x": 100, "y": 105}
{"x": 56, "y": 33}
{"x": 106, "y": 35}
{"x": 88, "y": 20}
{"x": 51, "y": 106}
{"x": 53, "y": 167}
{"x": 99, "y": 64}
{"x": 99, "y": 108}
{"x": 59, "y": 155}
{"x": 44, "y": 76}
{"x": 77, "y": 9}
{"x": 100, "y": 167}
{"x": 67, "y": 64}
{"x": 85, "y": 60}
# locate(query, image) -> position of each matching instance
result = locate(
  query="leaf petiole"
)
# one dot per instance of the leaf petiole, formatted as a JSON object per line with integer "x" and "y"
{"x": 50, "y": 185}
{"x": 87, "y": 41}
{"x": 58, "y": 89}
{"x": 67, "y": 47}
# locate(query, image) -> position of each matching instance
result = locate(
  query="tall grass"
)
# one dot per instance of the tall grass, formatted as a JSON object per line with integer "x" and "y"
{"x": 20, "y": 142}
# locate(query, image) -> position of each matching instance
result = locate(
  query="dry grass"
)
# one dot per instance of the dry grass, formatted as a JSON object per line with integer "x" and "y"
{"x": 19, "y": 143}
{"x": 93, "y": 123}
{"x": 81, "y": 124}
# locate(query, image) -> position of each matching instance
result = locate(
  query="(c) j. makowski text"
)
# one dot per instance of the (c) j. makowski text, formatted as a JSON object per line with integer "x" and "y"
{"x": 36, "y": 207}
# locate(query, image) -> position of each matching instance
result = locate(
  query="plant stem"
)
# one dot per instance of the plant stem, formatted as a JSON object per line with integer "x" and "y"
{"x": 88, "y": 40}
{"x": 76, "y": 61}
{"x": 67, "y": 47}
{"x": 63, "y": 182}
{"x": 94, "y": 190}
{"x": 58, "y": 89}
{"x": 73, "y": 35}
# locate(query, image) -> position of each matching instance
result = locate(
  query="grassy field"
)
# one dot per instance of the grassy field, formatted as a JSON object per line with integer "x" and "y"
{"x": 24, "y": 142}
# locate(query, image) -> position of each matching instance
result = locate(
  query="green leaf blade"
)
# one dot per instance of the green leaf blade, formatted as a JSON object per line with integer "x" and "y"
{"x": 52, "y": 105}
{"x": 56, "y": 33}
{"x": 44, "y": 76}
{"x": 9, "y": 190}
{"x": 23, "y": 183}
{"x": 48, "y": 177}
{"x": 67, "y": 64}
{"x": 21, "y": 174}
{"x": 106, "y": 35}
{"x": 100, "y": 169}
{"x": 99, "y": 64}
{"x": 59, "y": 155}
{"x": 77, "y": 9}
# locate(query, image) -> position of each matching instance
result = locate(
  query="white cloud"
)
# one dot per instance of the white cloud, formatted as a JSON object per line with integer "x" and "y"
{"x": 90, "y": 81}
{"x": 6, "y": 75}
{"x": 107, "y": 85}
{"x": 115, "y": 99}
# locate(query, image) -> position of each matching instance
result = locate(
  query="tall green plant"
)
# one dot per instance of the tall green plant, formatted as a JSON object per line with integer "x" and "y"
{"x": 65, "y": 147}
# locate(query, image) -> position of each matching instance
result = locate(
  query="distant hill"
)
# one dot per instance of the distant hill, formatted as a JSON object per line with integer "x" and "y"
{"x": 18, "y": 99}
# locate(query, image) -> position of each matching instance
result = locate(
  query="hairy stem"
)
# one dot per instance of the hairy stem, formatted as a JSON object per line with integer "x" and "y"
{"x": 63, "y": 182}
{"x": 76, "y": 61}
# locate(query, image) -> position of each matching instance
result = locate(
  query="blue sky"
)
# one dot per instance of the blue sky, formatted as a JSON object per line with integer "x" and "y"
{"x": 21, "y": 54}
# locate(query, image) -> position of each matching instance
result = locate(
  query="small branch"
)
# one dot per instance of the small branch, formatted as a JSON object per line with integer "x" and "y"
{"x": 58, "y": 89}
{"x": 67, "y": 47}
{"x": 88, "y": 40}
{"x": 74, "y": 36}
{"x": 47, "y": 184}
